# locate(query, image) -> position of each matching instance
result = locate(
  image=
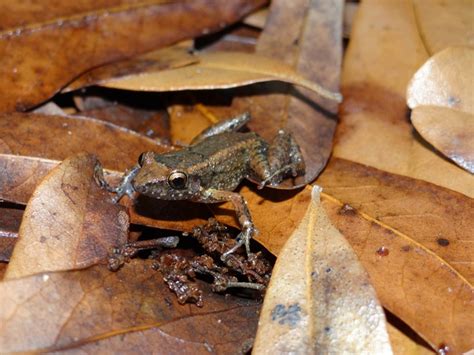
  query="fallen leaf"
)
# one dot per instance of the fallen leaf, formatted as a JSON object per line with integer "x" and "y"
{"x": 69, "y": 222}
{"x": 130, "y": 309}
{"x": 57, "y": 137}
{"x": 319, "y": 299}
{"x": 440, "y": 94}
{"x": 439, "y": 219}
{"x": 384, "y": 53}
{"x": 10, "y": 219}
{"x": 159, "y": 60}
{"x": 218, "y": 70}
{"x": 411, "y": 281}
{"x": 102, "y": 34}
{"x": 444, "y": 24}
{"x": 449, "y": 131}
{"x": 445, "y": 80}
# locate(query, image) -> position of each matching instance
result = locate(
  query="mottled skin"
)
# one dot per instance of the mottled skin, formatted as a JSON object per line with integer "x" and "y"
{"x": 213, "y": 166}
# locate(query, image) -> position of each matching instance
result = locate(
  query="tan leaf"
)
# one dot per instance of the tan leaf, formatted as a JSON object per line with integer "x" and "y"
{"x": 449, "y": 131}
{"x": 58, "y": 137}
{"x": 159, "y": 60}
{"x": 444, "y": 24}
{"x": 446, "y": 80}
{"x": 404, "y": 344}
{"x": 320, "y": 299}
{"x": 69, "y": 222}
{"x": 83, "y": 37}
{"x": 218, "y": 70}
{"x": 95, "y": 309}
{"x": 384, "y": 53}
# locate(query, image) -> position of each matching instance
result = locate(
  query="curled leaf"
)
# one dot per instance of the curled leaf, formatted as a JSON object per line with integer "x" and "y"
{"x": 69, "y": 222}
{"x": 320, "y": 299}
{"x": 450, "y": 131}
{"x": 219, "y": 70}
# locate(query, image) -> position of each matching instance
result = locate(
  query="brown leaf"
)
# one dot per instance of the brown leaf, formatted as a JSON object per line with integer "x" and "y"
{"x": 57, "y": 137}
{"x": 130, "y": 309}
{"x": 320, "y": 299}
{"x": 437, "y": 218}
{"x": 10, "y": 219}
{"x": 218, "y": 70}
{"x": 444, "y": 24}
{"x": 103, "y": 34}
{"x": 449, "y": 131}
{"x": 159, "y": 60}
{"x": 384, "y": 53}
{"x": 69, "y": 222}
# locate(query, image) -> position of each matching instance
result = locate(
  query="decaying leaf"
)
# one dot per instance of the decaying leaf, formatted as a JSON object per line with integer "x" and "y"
{"x": 87, "y": 37}
{"x": 320, "y": 299}
{"x": 450, "y": 131}
{"x": 444, "y": 24}
{"x": 129, "y": 309}
{"x": 58, "y": 137}
{"x": 218, "y": 70}
{"x": 69, "y": 222}
{"x": 384, "y": 53}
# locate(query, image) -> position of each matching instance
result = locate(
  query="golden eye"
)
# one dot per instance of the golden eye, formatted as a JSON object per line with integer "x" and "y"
{"x": 178, "y": 180}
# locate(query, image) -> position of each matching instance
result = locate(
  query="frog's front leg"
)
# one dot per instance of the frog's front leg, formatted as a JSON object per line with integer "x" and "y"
{"x": 125, "y": 187}
{"x": 242, "y": 211}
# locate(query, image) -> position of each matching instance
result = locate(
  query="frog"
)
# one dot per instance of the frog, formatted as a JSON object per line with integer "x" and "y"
{"x": 212, "y": 166}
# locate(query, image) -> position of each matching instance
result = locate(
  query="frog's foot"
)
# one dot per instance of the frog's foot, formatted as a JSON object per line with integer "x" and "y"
{"x": 275, "y": 177}
{"x": 243, "y": 239}
{"x": 125, "y": 187}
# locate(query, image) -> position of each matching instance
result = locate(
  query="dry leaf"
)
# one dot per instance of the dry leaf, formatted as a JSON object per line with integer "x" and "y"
{"x": 159, "y": 60}
{"x": 82, "y": 38}
{"x": 439, "y": 219}
{"x": 440, "y": 94}
{"x": 57, "y": 137}
{"x": 404, "y": 344}
{"x": 131, "y": 309}
{"x": 384, "y": 53}
{"x": 443, "y": 24}
{"x": 320, "y": 299}
{"x": 446, "y": 80}
{"x": 449, "y": 131}
{"x": 69, "y": 222}
{"x": 218, "y": 70}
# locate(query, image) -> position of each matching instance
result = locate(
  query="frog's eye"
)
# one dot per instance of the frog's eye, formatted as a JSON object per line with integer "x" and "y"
{"x": 178, "y": 180}
{"x": 141, "y": 159}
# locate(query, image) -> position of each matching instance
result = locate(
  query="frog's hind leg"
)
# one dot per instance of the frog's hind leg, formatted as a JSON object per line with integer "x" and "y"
{"x": 271, "y": 163}
{"x": 284, "y": 158}
{"x": 230, "y": 125}
{"x": 243, "y": 215}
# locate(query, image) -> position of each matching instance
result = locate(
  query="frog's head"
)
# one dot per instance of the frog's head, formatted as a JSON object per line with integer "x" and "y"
{"x": 158, "y": 180}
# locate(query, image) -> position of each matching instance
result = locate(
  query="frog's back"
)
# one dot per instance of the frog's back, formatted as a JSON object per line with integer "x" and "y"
{"x": 221, "y": 161}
